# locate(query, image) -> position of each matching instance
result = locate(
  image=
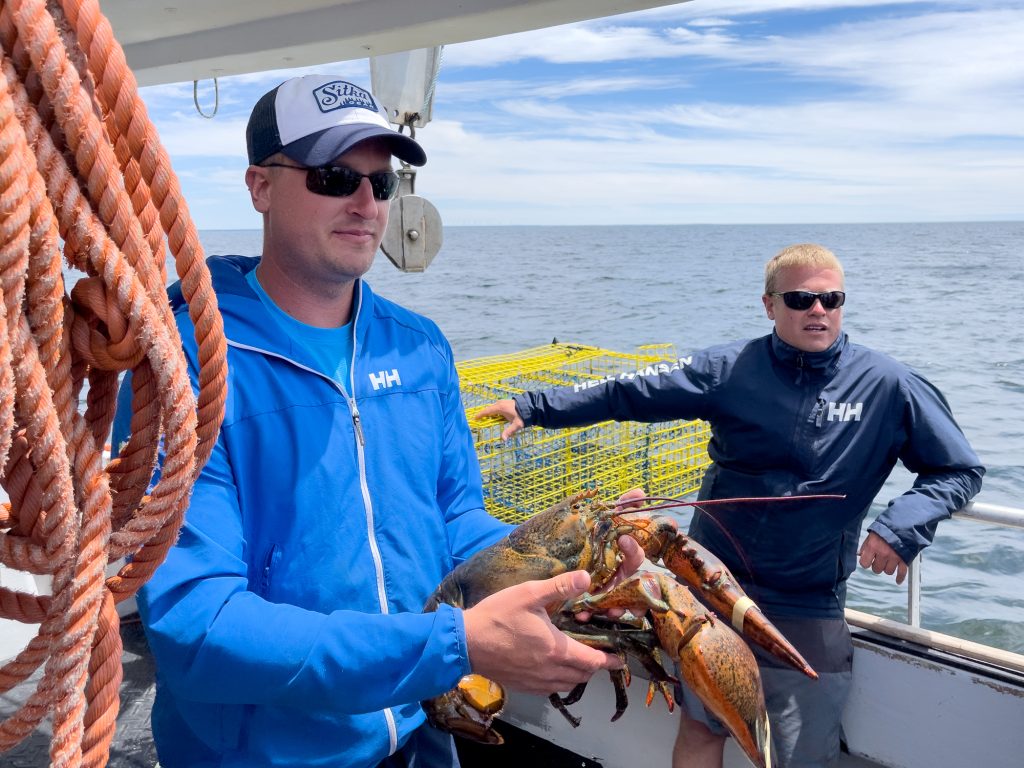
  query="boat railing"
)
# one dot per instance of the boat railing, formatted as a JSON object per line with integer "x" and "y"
{"x": 981, "y": 512}
{"x": 977, "y": 511}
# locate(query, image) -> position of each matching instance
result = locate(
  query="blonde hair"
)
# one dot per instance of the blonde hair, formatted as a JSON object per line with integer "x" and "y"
{"x": 801, "y": 255}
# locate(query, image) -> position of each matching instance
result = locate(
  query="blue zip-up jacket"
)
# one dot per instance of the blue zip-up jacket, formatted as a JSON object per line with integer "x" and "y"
{"x": 286, "y": 623}
{"x": 785, "y": 422}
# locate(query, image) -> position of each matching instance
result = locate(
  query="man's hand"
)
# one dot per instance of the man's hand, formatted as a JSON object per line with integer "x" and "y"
{"x": 512, "y": 640}
{"x": 507, "y": 410}
{"x": 877, "y": 555}
{"x": 633, "y": 555}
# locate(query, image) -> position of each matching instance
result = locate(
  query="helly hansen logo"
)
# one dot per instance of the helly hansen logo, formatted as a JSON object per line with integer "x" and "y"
{"x": 386, "y": 379}
{"x": 339, "y": 94}
{"x": 845, "y": 411}
{"x": 651, "y": 370}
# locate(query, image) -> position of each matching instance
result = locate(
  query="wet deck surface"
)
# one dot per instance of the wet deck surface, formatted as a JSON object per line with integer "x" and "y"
{"x": 133, "y": 742}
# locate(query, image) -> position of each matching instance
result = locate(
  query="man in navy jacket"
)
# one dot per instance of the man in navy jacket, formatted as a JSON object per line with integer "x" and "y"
{"x": 800, "y": 411}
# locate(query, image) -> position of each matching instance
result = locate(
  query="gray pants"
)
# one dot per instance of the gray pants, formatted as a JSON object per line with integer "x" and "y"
{"x": 805, "y": 714}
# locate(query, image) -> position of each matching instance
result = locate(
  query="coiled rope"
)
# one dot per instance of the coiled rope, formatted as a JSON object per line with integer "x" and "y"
{"x": 84, "y": 181}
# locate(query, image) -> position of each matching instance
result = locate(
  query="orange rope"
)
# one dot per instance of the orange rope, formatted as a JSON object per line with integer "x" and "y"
{"x": 85, "y": 182}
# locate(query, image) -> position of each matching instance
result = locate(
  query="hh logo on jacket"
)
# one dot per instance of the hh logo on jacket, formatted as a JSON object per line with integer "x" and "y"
{"x": 386, "y": 379}
{"x": 845, "y": 411}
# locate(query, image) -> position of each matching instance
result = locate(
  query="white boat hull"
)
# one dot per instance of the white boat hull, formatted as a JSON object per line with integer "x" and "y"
{"x": 915, "y": 706}
{"x": 14, "y": 635}
{"x": 911, "y": 707}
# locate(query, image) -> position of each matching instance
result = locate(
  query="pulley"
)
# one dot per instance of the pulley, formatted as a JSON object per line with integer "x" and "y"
{"x": 404, "y": 83}
{"x": 414, "y": 235}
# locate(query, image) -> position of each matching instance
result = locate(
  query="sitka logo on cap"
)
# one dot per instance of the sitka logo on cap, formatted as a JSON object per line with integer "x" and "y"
{"x": 341, "y": 95}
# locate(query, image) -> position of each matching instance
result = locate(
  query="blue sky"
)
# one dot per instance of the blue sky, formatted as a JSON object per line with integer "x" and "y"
{"x": 712, "y": 111}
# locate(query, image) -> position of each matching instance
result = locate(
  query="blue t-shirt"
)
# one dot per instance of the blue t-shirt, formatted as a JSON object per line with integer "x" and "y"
{"x": 330, "y": 348}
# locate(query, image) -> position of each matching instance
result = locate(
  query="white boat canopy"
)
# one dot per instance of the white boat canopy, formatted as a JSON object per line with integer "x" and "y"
{"x": 183, "y": 40}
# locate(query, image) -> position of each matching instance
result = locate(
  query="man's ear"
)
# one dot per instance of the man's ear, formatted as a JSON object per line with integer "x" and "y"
{"x": 769, "y": 306}
{"x": 258, "y": 182}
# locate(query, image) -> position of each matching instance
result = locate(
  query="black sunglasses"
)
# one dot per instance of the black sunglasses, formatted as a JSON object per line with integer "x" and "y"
{"x": 802, "y": 300}
{"x": 339, "y": 181}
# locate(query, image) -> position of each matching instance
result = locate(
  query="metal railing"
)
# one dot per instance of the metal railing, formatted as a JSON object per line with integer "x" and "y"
{"x": 979, "y": 512}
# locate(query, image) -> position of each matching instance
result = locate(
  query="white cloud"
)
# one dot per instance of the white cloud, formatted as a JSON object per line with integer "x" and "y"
{"x": 711, "y": 22}
{"x": 735, "y": 10}
{"x": 937, "y": 55}
{"x": 664, "y": 179}
{"x": 596, "y": 41}
{"x": 934, "y": 53}
{"x": 188, "y": 136}
{"x": 552, "y": 87}
{"x": 702, "y": 112}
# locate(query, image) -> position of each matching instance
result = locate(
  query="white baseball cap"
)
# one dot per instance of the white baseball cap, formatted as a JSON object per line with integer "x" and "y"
{"x": 315, "y": 118}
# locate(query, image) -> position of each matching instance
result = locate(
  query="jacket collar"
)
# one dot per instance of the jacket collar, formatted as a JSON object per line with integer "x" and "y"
{"x": 246, "y": 320}
{"x": 826, "y": 361}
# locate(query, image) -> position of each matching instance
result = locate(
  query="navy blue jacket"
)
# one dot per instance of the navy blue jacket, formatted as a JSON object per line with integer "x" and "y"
{"x": 786, "y": 422}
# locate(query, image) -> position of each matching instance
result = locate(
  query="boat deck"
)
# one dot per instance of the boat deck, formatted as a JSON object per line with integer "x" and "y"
{"x": 133, "y": 743}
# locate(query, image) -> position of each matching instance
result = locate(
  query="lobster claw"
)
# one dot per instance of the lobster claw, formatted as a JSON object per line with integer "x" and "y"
{"x": 702, "y": 570}
{"x": 469, "y": 709}
{"x": 713, "y": 660}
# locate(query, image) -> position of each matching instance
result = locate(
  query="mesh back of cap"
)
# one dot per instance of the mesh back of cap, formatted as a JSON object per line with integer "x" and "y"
{"x": 262, "y": 137}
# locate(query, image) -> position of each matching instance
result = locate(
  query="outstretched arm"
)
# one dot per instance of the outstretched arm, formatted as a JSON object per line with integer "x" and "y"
{"x": 671, "y": 390}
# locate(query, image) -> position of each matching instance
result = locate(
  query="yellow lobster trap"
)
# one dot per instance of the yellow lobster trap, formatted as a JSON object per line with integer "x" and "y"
{"x": 539, "y": 467}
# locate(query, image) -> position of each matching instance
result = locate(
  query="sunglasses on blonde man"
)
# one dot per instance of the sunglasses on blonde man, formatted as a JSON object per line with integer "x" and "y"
{"x": 805, "y": 299}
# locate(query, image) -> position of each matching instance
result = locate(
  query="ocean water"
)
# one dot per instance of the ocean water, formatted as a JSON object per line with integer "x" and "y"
{"x": 947, "y": 299}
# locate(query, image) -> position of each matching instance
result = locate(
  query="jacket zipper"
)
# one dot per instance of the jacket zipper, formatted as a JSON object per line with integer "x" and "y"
{"x": 357, "y": 423}
{"x": 378, "y": 563}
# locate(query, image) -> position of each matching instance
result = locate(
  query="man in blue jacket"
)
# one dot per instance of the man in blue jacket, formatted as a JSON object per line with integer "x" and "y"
{"x": 801, "y": 411}
{"x": 287, "y": 622}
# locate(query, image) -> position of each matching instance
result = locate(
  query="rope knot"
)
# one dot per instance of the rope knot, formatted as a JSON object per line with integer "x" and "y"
{"x": 100, "y": 332}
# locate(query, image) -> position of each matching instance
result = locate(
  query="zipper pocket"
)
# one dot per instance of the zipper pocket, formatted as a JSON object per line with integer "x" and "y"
{"x": 273, "y": 556}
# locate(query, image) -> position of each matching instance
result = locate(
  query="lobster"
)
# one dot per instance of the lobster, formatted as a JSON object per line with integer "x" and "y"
{"x": 662, "y": 615}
